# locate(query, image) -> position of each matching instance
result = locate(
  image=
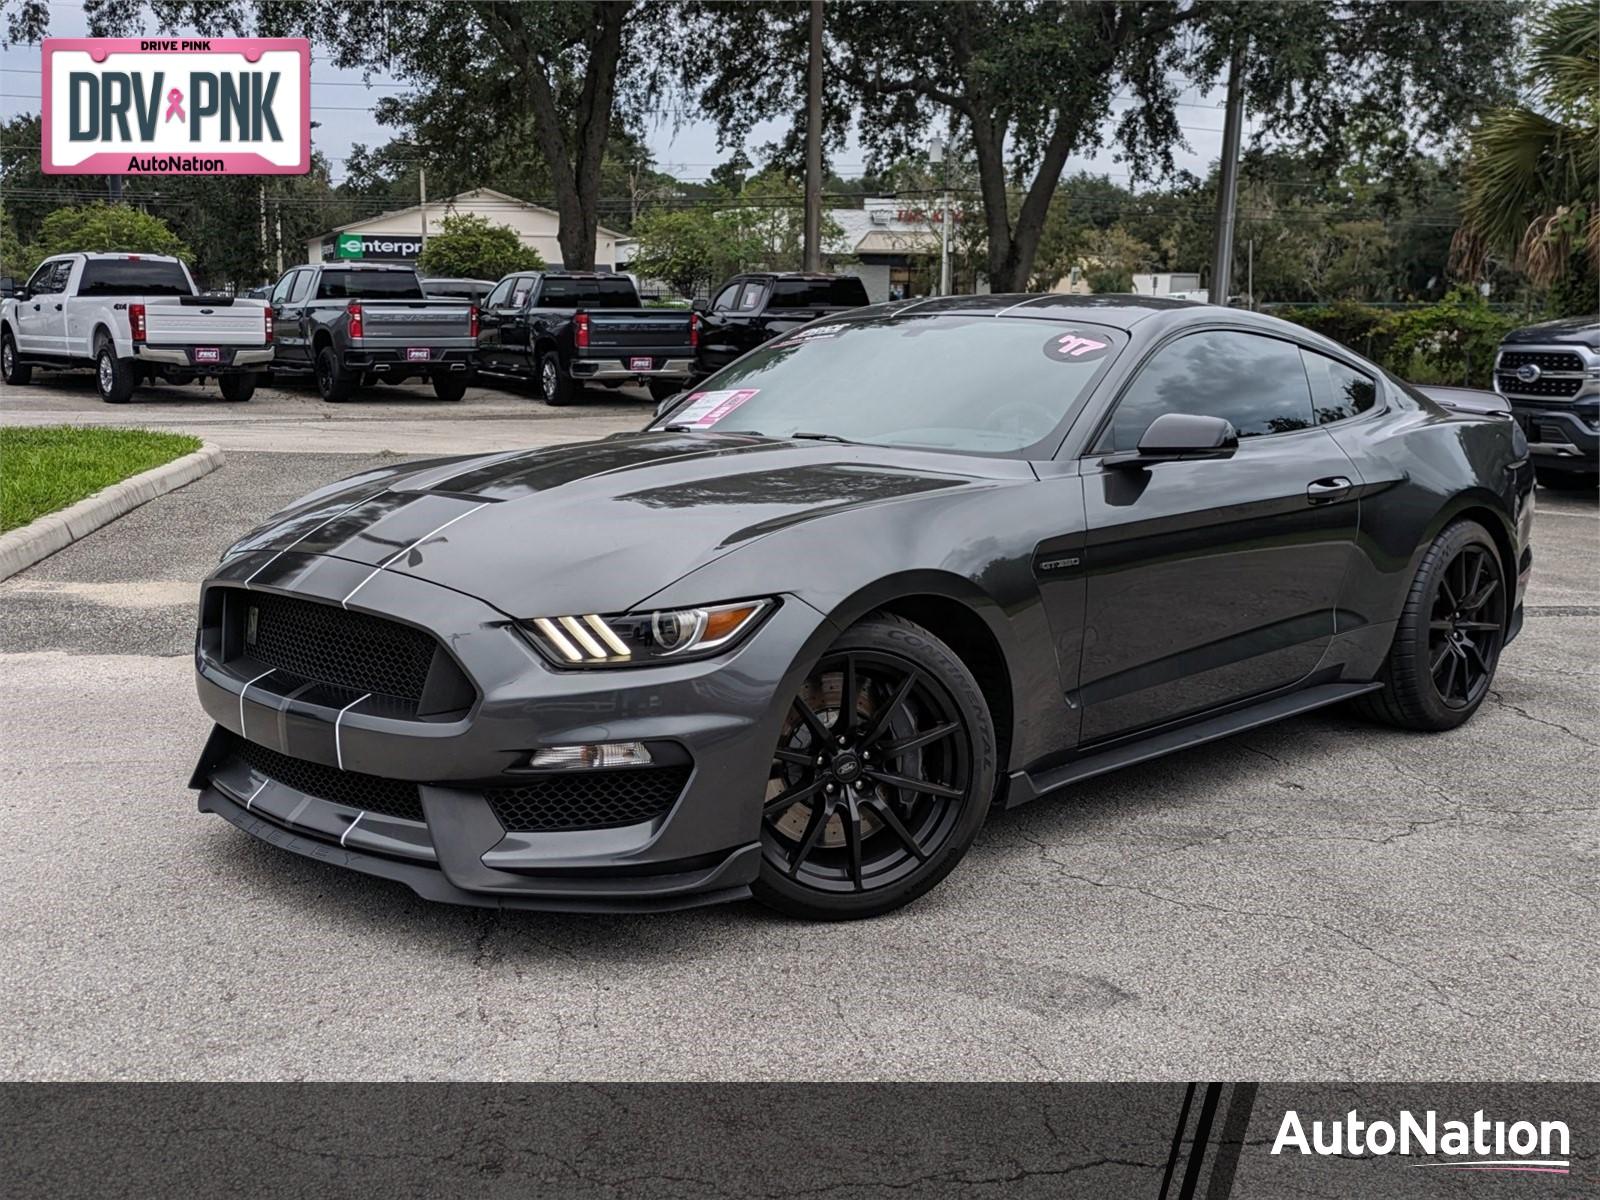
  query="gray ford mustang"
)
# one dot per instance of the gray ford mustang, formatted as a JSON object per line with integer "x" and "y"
{"x": 871, "y": 580}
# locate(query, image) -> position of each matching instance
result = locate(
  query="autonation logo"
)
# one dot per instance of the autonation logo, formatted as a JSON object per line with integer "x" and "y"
{"x": 1476, "y": 1145}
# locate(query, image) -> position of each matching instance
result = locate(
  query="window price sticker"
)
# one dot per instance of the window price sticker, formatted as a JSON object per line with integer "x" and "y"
{"x": 705, "y": 409}
{"x": 1075, "y": 347}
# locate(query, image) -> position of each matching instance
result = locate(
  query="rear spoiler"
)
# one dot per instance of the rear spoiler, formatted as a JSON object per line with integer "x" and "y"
{"x": 1466, "y": 400}
{"x": 209, "y": 299}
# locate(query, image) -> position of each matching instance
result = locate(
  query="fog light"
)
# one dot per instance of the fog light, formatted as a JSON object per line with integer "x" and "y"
{"x": 582, "y": 758}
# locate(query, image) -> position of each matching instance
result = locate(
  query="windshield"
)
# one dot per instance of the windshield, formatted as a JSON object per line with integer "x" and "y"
{"x": 369, "y": 285}
{"x": 133, "y": 277}
{"x": 986, "y": 385}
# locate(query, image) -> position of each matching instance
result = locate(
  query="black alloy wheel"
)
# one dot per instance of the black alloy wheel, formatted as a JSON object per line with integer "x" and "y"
{"x": 881, "y": 777}
{"x": 1466, "y": 625}
{"x": 1447, "y": 642}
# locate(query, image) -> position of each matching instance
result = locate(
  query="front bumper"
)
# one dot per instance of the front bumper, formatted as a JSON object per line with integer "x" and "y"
{"x": 719, "y": 714}
{"x": 1564, "y": 436}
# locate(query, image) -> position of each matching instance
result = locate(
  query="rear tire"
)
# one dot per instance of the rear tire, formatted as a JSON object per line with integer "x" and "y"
{"x": 1449, "y": 636}
{"x": 12, "y": 368}
{"x": 557, "y": 388}
{"x": 450, "y": 387}
{"x": 115, "y": 377}
{"x": 334, "y": 383}
{"x": 238, "y": 388}
{"x": 881, "y": 778}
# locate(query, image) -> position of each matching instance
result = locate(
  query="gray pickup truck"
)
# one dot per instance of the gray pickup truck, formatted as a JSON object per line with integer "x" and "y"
{"x": 352, "y": 324}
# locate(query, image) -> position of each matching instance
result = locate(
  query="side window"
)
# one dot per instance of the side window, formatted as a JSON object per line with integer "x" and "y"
{"x": 497, "y": 298}
{"x": 280, "y": 290}
{"x": 302, "y": 286}
{"x": 724, "y": 300}
{"x": 63, "y": 272}
{"x": 750, "y": 298}
{"x": 1256, "y": 382}
{"x": 1338, "y": 391}
{"x": 40, "y": 282}
{"x": 519, "y": 297}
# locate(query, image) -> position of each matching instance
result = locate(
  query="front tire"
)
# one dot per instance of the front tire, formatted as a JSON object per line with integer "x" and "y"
{"x": 450, "y": 387}
{"x": 334, "y": 383}
{"x": 1448, "y": 640}
{"x": 555, "y": 385}
{"x": 238, "y": 388}
{"x": 115, "y": 377}
{"x": 12, "y": 368}
{"x": 881, "y": 778}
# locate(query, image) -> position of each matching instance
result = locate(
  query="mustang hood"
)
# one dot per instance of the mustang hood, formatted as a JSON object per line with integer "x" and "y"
{"x": 598, "y": 526}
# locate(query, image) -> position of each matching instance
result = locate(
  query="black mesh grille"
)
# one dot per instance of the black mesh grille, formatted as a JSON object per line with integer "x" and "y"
{"x": 329, "y": 645}
{"x": 1511, "y": 385}
{"x": 1545, "y": 360}
{"x": 587, "y": 799}
{"x": 390, "y": 797}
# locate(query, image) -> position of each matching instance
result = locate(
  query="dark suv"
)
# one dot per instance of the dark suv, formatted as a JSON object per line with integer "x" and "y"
{"x": 1550, "y": 374}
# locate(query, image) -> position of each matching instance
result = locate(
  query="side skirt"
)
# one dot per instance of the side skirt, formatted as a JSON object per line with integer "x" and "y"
{"x": 1026, "y": 786}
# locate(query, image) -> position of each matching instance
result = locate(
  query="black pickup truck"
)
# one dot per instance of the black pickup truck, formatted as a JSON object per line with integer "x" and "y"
{"x": 750, "y": 309}
{"x": 356, "y": 323}
{"x": 568, "y": 328}
{"x": 1550, "y": 374}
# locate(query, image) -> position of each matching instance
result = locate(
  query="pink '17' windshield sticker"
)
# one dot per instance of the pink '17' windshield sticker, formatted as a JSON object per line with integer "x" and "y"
{"x": 705, "y": 409}
{"x": 1075, "y": 347}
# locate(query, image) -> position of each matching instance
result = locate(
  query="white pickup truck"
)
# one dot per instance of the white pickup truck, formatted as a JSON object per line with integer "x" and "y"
{"x": 132, "y": 318}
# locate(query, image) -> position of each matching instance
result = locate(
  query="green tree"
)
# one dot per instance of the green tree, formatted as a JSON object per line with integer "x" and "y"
{"x": 472, "y": 248}
{"x": 103, "y": 227}
{"x": 1030, "y": 82}
{"x": 682, "y": 247}
{"x": 1533, "y": 176}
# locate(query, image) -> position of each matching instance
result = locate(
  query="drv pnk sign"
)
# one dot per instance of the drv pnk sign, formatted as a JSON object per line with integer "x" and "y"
{"x": 177, "y": 106}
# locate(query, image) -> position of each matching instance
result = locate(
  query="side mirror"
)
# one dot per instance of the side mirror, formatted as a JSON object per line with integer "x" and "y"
{"x": 22, "y": 293}
{"x": 700, "y": 306}
{"x": 667, "y": 405}
{"x": 1174, "y": 436}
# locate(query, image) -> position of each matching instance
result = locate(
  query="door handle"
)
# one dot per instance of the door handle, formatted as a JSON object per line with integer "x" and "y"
{"x": 58, "y": 308}
{"x": 1322, "y": 491}
{"x": 35, "y": 308}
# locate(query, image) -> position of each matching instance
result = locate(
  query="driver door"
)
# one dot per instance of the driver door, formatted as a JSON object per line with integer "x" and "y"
{"x": 1211, "y": 581}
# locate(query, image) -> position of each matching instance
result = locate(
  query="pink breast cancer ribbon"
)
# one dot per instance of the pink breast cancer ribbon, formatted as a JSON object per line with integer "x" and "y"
{"x": 175, "y": 105}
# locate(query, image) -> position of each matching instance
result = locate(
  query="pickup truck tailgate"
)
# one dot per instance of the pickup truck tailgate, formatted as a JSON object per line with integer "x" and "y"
{"x": 414, "y": 321}
{"x": 237, "y": 324}
{"x": 645, "y": 330}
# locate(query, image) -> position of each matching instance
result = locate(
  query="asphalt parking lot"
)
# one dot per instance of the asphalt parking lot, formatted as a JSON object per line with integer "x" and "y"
{"x": 1318, "y": 899}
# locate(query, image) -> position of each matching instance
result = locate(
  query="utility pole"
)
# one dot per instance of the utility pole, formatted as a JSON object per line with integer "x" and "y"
{"x": 277, "y": 238}
{"x": 114, "y": 188}
{"x": 261, "y": 195}
{"x": 813, "y": 232}
{"x": 936, "y": 157}
{"x": 1250, "y": 272}
{"x": 422, "y": 197}
{"x": 1228, "y": 181}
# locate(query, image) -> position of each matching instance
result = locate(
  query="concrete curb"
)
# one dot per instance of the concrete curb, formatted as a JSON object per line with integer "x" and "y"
{"x": 39, "y": 539}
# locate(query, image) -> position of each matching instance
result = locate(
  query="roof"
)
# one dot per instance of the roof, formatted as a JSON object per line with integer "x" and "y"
{"x": 1120, "y": 311}
{"x": 448, "y": 201}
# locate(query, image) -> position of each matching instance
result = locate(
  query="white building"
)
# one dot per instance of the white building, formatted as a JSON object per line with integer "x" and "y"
{"x": 896, "y": 243}
{"x": 1180, "y": 284}
{"x": 397, "y": 236}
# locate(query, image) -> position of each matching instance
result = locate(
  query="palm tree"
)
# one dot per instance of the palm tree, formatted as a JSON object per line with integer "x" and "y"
{"x": 1533, "y": 175}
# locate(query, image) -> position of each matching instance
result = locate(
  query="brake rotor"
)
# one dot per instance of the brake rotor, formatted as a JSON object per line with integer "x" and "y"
{"x": 824, "y": 695}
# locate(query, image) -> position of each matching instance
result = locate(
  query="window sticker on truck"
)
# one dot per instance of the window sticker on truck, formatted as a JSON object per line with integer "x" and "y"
{"x": 705, "y": 409}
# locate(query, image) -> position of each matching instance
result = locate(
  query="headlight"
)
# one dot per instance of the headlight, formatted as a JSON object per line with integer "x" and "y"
{"x": 638, "y": 639}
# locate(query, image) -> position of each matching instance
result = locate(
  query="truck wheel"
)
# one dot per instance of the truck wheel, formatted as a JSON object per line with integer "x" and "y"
{"x": 1564, "y": 481}
{"x": 664, "y": 389}
{"x": 450, "y": 387}
{"x": 238, "y": 388}
{"x": 115, "y": 376}
{"x": 557, "y": 388}
{"x": 16, "y": 371}
{"x": 334, "y": 383}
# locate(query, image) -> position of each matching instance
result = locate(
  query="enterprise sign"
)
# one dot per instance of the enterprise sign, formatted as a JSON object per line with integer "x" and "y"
{"x": 177, "y": 106}
{"x": 378, "y": 245}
